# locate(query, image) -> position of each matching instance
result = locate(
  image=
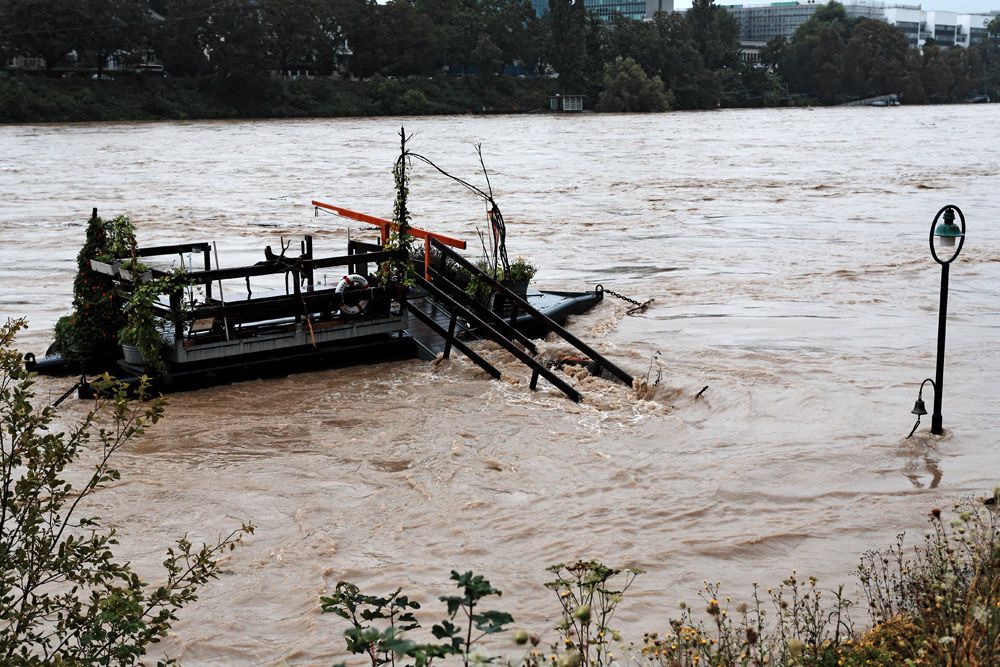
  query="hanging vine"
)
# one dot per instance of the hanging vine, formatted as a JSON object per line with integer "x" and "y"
{"x": 400, "y": 271}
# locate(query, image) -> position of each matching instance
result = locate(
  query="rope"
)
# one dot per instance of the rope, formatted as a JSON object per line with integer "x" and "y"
{"x": 637, "y": 307}
{"x": 66, "y": 395}
{"x": 498, "y": 229}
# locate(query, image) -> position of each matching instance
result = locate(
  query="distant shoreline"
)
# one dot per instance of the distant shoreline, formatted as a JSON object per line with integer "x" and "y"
{"x": 33, "y": 98}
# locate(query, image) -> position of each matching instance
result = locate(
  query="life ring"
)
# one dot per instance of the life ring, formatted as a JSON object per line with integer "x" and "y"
{"x": 353, "y": 281}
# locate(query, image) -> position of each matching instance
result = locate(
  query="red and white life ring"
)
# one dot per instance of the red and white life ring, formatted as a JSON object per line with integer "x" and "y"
{"x": 353, "y": 281}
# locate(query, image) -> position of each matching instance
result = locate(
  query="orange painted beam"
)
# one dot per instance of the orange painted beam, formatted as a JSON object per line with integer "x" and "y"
{"x": 385, "y": 225}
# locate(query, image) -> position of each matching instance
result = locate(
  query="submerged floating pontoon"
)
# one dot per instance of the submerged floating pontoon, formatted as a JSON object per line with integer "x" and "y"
{"x": 223, "y": 337}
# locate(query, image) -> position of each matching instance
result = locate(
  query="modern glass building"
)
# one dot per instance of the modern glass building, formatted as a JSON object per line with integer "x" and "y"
{"x": 605, "y": 9}
{"x": 760, "y": 23}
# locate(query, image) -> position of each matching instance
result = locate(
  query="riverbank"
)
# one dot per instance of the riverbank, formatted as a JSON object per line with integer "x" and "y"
{"x": 129, "y": 96}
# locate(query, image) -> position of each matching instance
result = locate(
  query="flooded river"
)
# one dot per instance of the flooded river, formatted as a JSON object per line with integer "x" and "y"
{"x": 786, "y": 254}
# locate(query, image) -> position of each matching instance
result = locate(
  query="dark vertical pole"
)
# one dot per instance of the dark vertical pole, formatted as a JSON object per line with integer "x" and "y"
{"x": 296, "y": 278}
{"x": 309, "y": 255}
{"x": 208, "y": 267}
{"x": 451, "y": 335}
{"x": 939, "y": 376}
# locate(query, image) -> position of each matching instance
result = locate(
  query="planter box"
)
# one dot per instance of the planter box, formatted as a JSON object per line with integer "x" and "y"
{"x": 106, "y": 269}
{"x": 518, "y": 287}
{"x": 133, "y": 355}
{"x": 126, "y": 274}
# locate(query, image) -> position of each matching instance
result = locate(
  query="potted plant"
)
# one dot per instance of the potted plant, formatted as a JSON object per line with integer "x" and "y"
{"x": 518, "y": 275}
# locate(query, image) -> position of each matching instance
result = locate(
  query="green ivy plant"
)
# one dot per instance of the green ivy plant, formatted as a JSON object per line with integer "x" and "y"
{"x": 142, "y": 326}
{"x": 89, "y": 335}
{"x": 399, "y": 271}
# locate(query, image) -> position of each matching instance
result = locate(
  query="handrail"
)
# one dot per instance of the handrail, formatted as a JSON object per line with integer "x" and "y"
{"x": 270, "y": 268}
{"x": 600, "y": 360}
{"x": 450, "y": 337}
{"x": 495, "y": 319}
{"x": 385, "y": 225}
{"x": 532, "y": 363}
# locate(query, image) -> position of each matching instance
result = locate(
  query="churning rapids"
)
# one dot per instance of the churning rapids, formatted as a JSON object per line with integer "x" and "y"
{"x": 786, "y": 253}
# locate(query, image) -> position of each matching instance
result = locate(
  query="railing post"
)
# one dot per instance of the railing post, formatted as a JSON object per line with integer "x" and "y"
{"x": 451, "y": 335}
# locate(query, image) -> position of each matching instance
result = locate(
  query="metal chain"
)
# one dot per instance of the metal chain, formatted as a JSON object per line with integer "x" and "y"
{"x": 66, "y": 395}
{"x": 639, "y": 307}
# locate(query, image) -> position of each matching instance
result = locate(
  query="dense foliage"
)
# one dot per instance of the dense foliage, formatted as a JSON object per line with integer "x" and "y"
{"x": 231, "y": 51}
{"x": 89, "y": 334}
{"x": 65, "y": 598}
{"x": 934, "y": 605}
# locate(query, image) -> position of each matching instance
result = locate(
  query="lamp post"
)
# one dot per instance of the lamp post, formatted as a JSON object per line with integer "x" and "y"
{"x": 946, "y": 234}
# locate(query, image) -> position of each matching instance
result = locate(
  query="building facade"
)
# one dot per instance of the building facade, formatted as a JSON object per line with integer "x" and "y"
{"x": 947, "y": 29}
{"x": 605, "y": 9}
{"x": 761, "y": 23}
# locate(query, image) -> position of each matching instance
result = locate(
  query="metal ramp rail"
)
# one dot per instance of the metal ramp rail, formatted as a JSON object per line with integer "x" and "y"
{"x": 452, "y": 299}
{"x": 443, "y": 294}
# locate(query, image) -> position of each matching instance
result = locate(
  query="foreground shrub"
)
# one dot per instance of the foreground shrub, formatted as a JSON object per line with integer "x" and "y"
{"x": 64, "y": 596}
{"x": 937, "y": 605}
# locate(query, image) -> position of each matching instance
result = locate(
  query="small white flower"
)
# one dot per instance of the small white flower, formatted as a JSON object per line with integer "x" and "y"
{"x": 480, "y": 656}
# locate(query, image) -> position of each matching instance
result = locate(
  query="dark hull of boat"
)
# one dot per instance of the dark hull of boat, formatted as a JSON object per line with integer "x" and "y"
{"x": 190, "y": 377}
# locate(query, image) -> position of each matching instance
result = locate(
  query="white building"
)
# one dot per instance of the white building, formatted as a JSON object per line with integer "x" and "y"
{"x": 945, "y": 28}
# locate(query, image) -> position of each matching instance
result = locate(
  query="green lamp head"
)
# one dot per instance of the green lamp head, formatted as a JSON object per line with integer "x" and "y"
{"x": 948, "y": 231}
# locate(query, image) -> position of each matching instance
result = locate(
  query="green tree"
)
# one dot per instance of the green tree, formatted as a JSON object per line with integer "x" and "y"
{"x": 363, "y": 29}
{"x": 910, "y": 86}
{"x": 876, "y": 58}
{"x": 967, "y": 71}
{"x": 182, "y": 39}
{"x": 817, "y": 42}
{"x": 487, "y": 56}
{"x": 626, "y": 87}
{"x": 935, "y": 72}
{"x": 763, "y": 88}
{"x": 236, "y": 41}
{"x": 989, "y": 51}
{"x": 567, "y": 48}
{"x": 508, "y": 25}
{"x": 48, "y": 29}
{"x": 716, "y": 33}
{"x": 330, "y": 49}
{"x": 813, "y": 62}
{"x": 692, "y": 85}
{"x": 422, "y": 49}
{"x": 773, "y": 54}
{"x": 291, "y": 32}
{"x": 64, "y": 596}
{"x": 114, "y": 27}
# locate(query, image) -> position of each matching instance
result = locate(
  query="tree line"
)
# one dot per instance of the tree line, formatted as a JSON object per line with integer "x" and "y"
{"x": 688, "y": 61}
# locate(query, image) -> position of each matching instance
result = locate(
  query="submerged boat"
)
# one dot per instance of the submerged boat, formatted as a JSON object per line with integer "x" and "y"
{"x": 210, "y": 334}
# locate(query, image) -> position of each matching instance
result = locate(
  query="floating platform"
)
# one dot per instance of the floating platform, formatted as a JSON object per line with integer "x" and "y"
{"x": 209, "y": 339}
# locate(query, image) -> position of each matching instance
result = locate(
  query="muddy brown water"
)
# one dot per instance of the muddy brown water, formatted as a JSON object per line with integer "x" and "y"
{"x": 786, "y": 253}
